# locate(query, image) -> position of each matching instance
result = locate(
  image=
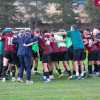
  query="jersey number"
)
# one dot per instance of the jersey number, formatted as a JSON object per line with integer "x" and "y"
{"x": 10, "y": 39}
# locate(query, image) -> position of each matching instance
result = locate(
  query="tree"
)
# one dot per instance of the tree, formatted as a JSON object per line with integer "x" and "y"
{"x": 36, "y": 10}
{"x": 7, "y": 11}
{"x": 93, "y": 12}
{"x": 67, "y": 13}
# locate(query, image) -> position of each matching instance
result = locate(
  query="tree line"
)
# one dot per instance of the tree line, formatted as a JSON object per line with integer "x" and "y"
{"x": 38, "y": 11}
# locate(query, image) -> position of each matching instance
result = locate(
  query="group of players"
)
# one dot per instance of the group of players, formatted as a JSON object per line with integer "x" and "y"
{"x": 23, "y": 49}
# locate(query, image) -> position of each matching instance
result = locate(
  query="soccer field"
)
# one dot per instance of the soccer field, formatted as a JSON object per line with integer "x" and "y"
{"x": 59, "y": 89}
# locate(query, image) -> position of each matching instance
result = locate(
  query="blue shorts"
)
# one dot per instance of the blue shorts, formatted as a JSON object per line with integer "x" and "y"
{"x": 70, "y": 53}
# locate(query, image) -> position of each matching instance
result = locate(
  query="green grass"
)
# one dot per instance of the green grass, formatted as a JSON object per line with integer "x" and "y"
{"x": 59, "y": 89}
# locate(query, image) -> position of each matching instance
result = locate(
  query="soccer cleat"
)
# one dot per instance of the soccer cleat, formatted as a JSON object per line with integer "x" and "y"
{"x": 97, "y": 74}
{"x": 51, "y": 77}
{"x": 44, "y": 78}
{"x": 13, "y": 79}
{"x": 73, "y": 77}
{"x": 3, "y": 79}
{"x": 67, "y": 72}
{"x": 85, "y": 75}
{"x": 20, "y": 80}
{"x": 29, "y": 82}
{"x": 81, "y": 78}
{"x": 47, "y": 80}
{"x": 36, "y": 72}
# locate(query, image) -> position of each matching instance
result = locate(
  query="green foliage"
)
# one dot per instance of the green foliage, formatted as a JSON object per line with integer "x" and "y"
{"x": 7, "y": 10}
{"x": 68, "y": 15}
{"x": 93, "y": 12}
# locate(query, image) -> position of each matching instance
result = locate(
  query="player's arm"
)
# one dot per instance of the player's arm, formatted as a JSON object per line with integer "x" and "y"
{"x": 60, "y": 40}
{"x": 3, "y": 37}
{"x": 15, "y": 39}
{"x": 97, "y": 39}
{"x": 60, "y": 33}
{"x": 30, "y": 44}
{"x": 85, "y": 41}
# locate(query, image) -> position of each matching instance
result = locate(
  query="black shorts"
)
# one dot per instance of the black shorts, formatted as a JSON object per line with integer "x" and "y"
{"x": 78, "y": 54}
{"x": 94, "y": 56}
{"x": 40, "y": 55}
{"x": 98, "y": 55}
{"x": 60, "y": 56}
{"x": 35, "y": 54}
{"x": 11, "y": 56}
{"x": 46, "y": 58}
{"x": 84, "y": 55}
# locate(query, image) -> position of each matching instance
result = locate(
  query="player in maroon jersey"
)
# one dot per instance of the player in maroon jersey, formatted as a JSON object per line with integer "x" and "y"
{"x": 96, "y": 32}
{"x": 93, "y": 52}
{"x": 9, "y": 54}
{"x": 45, "y": 53}
{"x": 88, "y": 41}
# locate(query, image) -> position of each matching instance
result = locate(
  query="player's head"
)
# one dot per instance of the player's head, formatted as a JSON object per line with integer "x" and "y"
{"x": 21, "y": 32}
{"x": 96, "y": 31}
{"x": 37, "y": 32}
{"x": 7, "y": 30}
{"x": 86, "y": 33}
{"x": 74, "y": 28}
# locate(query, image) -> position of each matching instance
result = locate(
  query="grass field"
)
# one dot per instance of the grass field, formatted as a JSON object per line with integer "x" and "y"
{"x": 59, "y": 89}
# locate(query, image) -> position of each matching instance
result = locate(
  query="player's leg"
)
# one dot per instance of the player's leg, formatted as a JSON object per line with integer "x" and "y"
{"x": 45, "y": 62}
{"x": 57, "y": 66}
{"x": 75, "y": 61}
{"x": 35, "y": 62}
{"x": 21, "y": 68}
{"x": 13, "y": 70}
{"x": 98, "y": 62}
{"x": 28, "y": 63}
{"x": 51, "y": 68}
{"x": 5, "y": 67}
{"x": 82, "y": 65}
{"x": 65, "y": 63}
{"x": 14, "y": 61}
